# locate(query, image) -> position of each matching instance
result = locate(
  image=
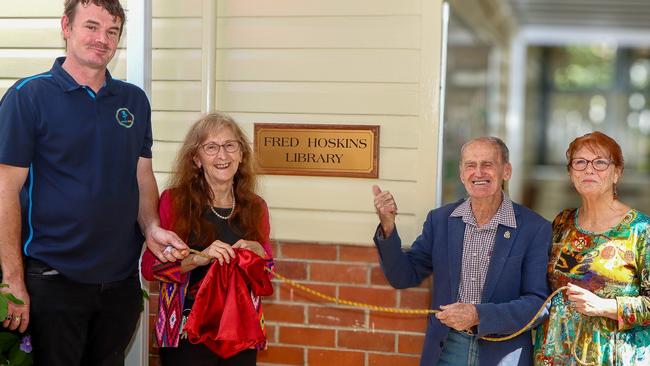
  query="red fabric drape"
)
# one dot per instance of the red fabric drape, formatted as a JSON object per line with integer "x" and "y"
{"x": 223, "y": 316}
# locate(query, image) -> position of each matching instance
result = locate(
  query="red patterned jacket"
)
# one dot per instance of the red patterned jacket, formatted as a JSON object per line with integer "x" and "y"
{"x": 174, "y": 284}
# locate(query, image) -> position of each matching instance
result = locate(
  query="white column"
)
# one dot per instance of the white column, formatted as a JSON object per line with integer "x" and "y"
{"x": 209, "y": 57}
{"x": 138, "y": 72}
{"x": 138, "y": 42}
{"x": 515, "y": 114}
{"x": 441, "y": 101}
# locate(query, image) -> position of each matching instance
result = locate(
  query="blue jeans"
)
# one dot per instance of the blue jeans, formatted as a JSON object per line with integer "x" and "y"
{"x": 460, "y": 349}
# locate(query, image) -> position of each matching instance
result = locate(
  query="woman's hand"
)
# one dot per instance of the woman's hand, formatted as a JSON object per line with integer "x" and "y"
{"x": 218, "y": 250}
{"x": 253, "y": 246}
{"x": 590, "y": 304}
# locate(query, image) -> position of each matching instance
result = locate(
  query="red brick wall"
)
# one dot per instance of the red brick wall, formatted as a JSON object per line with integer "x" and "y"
{"x": 306, "y": 330}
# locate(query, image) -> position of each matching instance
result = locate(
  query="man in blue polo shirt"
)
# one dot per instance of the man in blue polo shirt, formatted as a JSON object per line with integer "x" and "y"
{"x": 77, "y": 185}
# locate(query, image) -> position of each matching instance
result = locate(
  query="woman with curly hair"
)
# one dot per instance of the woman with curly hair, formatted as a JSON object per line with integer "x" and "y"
{"x": 211, "y": 203}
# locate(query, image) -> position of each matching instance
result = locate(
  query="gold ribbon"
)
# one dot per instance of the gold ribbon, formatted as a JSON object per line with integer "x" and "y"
{"x": 384, "y": 309}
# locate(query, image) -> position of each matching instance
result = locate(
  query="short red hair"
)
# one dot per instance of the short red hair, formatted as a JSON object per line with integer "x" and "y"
{"x": 596, "y": 141}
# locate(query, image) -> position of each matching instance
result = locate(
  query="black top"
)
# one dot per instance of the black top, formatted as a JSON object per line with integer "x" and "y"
{"x": 227, "y": 232}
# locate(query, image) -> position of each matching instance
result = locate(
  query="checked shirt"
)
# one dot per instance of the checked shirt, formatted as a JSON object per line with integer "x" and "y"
{"x": 477, "y": 247}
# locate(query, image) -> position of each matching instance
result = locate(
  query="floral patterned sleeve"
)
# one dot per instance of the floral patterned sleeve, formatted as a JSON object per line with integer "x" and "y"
{"x": 635, "y": 310}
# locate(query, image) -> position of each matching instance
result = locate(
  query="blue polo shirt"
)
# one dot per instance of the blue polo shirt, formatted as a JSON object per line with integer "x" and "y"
{"x": 80, "y": 201}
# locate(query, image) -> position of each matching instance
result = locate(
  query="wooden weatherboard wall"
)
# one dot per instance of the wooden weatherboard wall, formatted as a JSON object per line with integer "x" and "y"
{"x": 337, "y": 62}
{"x": 367, "y": 62}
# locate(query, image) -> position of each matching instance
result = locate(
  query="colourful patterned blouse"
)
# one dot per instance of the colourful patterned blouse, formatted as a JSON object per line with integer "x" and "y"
{"x": 613, "y": 264}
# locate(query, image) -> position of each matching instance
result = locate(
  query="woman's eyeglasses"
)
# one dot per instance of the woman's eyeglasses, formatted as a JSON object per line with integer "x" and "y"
{"x": 212, "y": 148}
{"x": 599, "y": 164}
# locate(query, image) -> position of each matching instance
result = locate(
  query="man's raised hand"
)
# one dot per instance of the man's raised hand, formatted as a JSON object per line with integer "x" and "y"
{"x": 386, "y": 209}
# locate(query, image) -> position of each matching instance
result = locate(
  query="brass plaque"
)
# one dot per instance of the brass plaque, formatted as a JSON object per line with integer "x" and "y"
{"x": 325, "y": 150}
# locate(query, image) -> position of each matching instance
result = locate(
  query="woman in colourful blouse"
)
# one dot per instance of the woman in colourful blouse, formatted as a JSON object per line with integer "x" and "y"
{"x": 212, "y": 205}
{"x": 601, "y": 251}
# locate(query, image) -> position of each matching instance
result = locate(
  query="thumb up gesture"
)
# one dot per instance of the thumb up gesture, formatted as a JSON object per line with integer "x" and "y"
{"x": 386, "y": 209}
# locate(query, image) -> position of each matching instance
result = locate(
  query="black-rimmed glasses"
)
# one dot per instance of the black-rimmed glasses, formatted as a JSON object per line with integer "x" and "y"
{"x": 212, "y": 148}
{"x": 598, "y": 164}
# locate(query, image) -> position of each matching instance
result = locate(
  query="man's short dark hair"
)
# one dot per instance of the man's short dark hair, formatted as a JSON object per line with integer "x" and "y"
{"x": 113, "y": 7}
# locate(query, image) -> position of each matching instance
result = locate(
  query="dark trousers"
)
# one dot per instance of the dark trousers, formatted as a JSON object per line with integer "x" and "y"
{"x": 199, "y": 355}
{"x": 76, "y": 324}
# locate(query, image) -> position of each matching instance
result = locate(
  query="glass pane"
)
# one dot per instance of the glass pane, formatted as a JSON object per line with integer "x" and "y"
{"x": 571, "y": 115}
{"x": 587, "y": 88}
{"x": 580, "y": 67}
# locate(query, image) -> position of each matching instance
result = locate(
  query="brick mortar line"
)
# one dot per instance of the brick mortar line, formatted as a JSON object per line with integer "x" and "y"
{"x": 355, "y": 285}
{"x": 338, "y": 306}
{"x": 347, "y": 329}
{"x": 323, "y": 301}
{"x": 324, "y": 243}
{"x": 325, "y": 261}
{"x": 347, "y": 284}
{"x": 323, "y": 348}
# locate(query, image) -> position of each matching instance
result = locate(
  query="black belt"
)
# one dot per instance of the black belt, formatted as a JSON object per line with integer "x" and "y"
{"x": 36, "y": 266}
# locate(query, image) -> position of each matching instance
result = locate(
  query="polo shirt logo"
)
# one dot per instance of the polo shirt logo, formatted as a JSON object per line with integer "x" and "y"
{"x": 124, "y": 117}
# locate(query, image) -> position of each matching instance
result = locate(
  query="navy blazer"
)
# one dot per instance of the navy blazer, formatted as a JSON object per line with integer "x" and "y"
{"x": 515, "y": 284}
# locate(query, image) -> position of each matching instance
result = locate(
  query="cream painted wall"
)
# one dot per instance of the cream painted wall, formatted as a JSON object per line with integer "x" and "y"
{"x": 176, "y": 77}
{"x": 290, "y": 61}
{"x": 334, "y": 62}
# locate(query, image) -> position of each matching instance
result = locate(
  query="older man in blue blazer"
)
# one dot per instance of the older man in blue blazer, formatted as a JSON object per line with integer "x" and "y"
{"x": 488, "y": 257}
